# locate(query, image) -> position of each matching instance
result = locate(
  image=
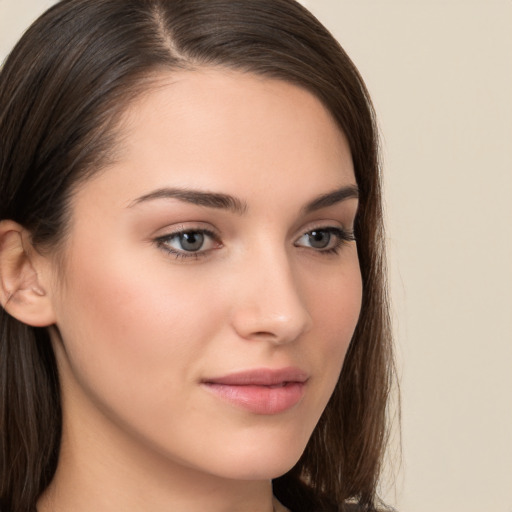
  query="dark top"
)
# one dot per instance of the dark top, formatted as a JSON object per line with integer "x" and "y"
{"x": 298, "y": 497}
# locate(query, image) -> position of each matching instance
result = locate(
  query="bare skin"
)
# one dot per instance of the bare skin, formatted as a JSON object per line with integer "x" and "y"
{"x": 163, "y": 293}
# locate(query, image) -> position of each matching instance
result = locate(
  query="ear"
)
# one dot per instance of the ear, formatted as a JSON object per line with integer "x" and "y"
{"x": 23, "y": 273}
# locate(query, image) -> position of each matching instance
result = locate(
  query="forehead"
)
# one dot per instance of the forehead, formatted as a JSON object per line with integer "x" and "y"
{"x": 232, "y": 132}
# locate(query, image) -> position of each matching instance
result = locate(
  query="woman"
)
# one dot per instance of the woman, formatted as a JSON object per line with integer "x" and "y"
{"x": 188, "y": 322}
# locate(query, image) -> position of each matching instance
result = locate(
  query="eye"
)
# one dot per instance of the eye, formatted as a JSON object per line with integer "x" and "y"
{"x": 328, "y": 239}
{"x": 188, "y": 243}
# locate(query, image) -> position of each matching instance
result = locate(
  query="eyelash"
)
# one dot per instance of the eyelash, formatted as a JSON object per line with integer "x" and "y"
{"x": 342, "y": 238}
{"x": 163, "y": 243}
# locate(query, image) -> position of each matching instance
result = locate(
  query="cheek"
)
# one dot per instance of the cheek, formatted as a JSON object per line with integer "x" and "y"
{"x": 134, "y": 341}
{"x": 335, "y": 308}
{"x": 335, "y": 301}
{"x": 124, "y": 320}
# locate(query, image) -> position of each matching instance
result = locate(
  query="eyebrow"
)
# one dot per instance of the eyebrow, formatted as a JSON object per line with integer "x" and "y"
{"x": 235, "y": 205}
{"x": 332, "y": 198}
{"x": 198, "y": 197}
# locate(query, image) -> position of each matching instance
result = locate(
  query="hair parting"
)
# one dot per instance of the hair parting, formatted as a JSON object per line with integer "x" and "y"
{"x": 63, "y": 92}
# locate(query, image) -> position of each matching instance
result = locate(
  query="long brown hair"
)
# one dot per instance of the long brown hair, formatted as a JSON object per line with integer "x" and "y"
{"x": 62, "y": 90}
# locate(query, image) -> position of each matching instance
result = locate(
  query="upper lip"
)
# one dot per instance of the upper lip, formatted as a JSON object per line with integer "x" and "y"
{"x": 261, "y": 377}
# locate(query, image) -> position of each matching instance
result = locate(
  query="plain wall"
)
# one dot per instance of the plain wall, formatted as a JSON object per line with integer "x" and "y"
{"x": 440, "y": 73}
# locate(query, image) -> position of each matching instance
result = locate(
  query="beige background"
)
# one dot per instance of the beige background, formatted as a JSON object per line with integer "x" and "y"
{"x": 440, "y": 72}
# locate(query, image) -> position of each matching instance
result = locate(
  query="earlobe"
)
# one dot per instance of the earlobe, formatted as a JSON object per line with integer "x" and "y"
{"x": 22, "y": 294}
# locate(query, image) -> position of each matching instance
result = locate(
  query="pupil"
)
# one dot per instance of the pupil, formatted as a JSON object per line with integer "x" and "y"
{"x": 191, "y": 241}
{"x": 319, "y": 239}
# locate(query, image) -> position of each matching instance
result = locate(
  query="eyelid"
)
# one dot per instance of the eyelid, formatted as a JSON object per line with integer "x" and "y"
{"x": 334, "y": 228}
{"x": 162, "y": 241}
{"x": 342, "y": 235}
{"x": 334, "y": 225}
{"x": 180, "y": 227}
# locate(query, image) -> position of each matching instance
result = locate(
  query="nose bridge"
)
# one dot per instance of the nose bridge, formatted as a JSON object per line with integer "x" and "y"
{"x": 270, "y": 303}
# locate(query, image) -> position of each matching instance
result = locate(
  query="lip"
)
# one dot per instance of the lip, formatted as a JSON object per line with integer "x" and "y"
{"x": 261, "y": 391}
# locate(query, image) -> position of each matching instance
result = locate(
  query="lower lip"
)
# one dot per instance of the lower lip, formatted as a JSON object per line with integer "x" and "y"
{"x": 260, "y": 399}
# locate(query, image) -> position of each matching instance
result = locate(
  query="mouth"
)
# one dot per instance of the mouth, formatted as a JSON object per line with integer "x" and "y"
{"x": 260, "y": 391}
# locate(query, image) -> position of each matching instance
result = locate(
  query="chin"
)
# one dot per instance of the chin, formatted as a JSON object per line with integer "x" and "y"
{"x": 261, "y": 463}
{"x": 266, "y": 470}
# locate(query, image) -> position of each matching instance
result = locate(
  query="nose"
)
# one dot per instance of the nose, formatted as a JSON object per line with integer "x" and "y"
{"x": 268, "y": 302}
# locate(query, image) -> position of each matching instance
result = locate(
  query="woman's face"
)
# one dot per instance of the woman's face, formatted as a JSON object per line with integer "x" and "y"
{"x": 211, "y": 284}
